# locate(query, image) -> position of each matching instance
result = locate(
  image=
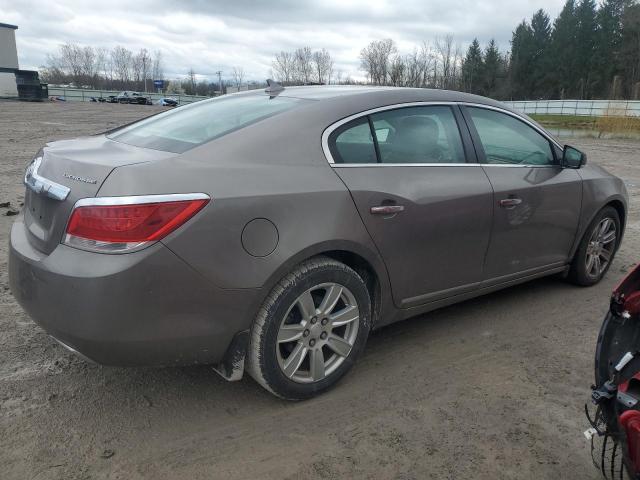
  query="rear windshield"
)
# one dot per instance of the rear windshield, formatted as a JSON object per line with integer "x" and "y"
{"x": 187, "y": 127}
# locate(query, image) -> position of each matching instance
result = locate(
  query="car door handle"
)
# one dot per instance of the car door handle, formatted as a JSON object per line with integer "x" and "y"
{"x": 386, "y": 209}
{"x": 510, "y": 202}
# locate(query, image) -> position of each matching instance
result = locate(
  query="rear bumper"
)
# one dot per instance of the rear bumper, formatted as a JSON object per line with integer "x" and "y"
{"x": 142, "y": 308}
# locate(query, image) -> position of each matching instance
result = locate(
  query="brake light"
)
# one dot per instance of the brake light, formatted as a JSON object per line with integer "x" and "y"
{"x": 125, "y": 224}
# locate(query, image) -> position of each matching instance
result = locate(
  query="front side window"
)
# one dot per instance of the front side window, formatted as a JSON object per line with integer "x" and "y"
{"x": 418, "y": 135}
{"x": 189, "y": 126}
{"x": 507, "y": 140}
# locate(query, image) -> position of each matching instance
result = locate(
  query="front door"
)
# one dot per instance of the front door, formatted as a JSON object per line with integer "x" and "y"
{"x": 424, "y": 200}
{"x": 536, "y": 202}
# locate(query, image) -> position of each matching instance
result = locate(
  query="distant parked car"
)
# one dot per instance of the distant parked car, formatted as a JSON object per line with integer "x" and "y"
{"x": 168, "y": 102}
{"x": 129, "y": 96}
{"x": 274, "y": 229}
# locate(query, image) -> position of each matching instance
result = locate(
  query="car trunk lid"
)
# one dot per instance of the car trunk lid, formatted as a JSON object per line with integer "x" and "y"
{"x": 81, "y": 165}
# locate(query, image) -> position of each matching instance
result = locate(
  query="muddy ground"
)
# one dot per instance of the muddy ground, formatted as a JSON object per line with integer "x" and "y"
{"x": 492, "y": 388}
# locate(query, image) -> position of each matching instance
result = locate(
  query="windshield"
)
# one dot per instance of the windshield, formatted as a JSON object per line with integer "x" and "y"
{"x": 187, "y": 127}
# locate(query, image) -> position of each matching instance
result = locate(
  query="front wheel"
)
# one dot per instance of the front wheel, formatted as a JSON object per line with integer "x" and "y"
{"x": 310, "y": 330}
{"x": 597, "y": 248}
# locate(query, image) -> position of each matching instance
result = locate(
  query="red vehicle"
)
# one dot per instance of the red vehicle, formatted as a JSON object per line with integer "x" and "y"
{"x": 615, "y": 426}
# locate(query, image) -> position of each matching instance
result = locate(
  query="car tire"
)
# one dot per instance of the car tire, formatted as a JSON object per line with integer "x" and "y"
{"x": 294, "y": 344}
{"x": 597, "y": 248}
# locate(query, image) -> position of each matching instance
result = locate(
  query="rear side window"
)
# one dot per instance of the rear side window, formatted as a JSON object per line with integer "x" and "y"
{"x": 507, "y": 140}
{"x": 406, "y": 135}
{"x": 187, "y": 127}
{"x": 353, "y": 143}
{"x": 418, "y": 135}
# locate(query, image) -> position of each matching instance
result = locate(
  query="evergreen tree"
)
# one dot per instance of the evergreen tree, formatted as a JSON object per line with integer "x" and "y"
{"x": 585, "y": 47}
{"x": 472, "y": 68}
{"x": 522, "y": 52}
{"x": 608, "y": 44}
{"x": 562, "y": 52}
{"x": 630, "y": 49}
{"x": 492, "y": 69}
{"x": 539, "y": 61}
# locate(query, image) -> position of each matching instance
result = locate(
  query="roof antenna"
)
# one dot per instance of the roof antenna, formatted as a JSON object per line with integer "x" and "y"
{"x": 273, "y": 88}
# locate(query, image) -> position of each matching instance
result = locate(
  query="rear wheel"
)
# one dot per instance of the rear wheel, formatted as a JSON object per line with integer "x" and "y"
{"x": 310, "y": 330}
{"x": 597, "y": 248}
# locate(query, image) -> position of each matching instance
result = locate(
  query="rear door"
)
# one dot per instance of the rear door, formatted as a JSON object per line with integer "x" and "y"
{"x": 537, "y": 202}
{"x": 424, "y": 200}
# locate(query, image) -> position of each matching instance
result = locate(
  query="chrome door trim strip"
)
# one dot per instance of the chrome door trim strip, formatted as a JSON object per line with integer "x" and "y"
{"x": 331, "y": 128}
{"x": 39, "y": 184}
{"x": 384, "y": 165}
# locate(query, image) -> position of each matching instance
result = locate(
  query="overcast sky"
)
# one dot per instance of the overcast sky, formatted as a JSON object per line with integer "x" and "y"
{"x": 213, "y": 35}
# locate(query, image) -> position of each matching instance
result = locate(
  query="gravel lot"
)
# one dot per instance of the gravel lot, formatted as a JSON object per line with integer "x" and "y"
{"x": 488, "y": 389}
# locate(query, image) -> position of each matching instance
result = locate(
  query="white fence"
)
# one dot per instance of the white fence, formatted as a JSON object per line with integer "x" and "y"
{"x": 85, "y": 95}
{"x": 592, "y": 108}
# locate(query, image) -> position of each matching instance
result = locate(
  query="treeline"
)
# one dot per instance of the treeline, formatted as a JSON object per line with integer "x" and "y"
{"x": 116, "y": 69}
{"x": 303, "y": 66}
{"x": 588, "y": 51}
{"x": 121, "y": 69}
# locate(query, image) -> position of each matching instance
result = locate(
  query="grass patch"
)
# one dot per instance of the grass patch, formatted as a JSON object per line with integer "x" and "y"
{"x": 576, "y": 121}
{"x": 613, "y": 122}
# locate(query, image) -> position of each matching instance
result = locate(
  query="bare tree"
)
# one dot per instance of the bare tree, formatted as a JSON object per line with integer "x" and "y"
{"x": 88, "y": 63}
{"x": 322, "y": 66}
{"x": 303, "y": 64}
{"x": 70, "y": 57}
{"x": 448, "y": 57}
{"x": 375, "y": 60}
{"x": 101, "y": 68}
{"x": 418, "y": 66}
{"x": 238, "y": 76}
{"x": 143, "y": 66}
{"x": 122, "y": 63}
{"x": 157, "y": 70}
{"x": 191, "y": 77}
{"x": 284, "y": 66}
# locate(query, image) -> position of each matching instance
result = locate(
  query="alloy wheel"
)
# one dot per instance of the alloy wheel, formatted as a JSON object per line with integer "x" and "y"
{"x": 601, "y": 247}
{"x": 317, "y": 333}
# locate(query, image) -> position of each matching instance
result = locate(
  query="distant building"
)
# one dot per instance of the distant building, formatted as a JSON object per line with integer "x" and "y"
{"x": 24, "y": 84}
{"x": 8, "y": 60}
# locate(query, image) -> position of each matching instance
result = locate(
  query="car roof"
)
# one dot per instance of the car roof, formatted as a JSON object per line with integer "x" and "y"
{"x": 325, "y": 92}
{"x": 326, "y": 104}
{"x": 370, "y": 96}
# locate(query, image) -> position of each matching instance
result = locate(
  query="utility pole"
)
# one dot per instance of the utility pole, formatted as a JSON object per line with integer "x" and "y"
{"x": 219, "y": 73}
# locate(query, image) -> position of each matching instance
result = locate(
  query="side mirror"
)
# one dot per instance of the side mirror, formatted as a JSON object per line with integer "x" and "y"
{"x": 573, "y": 158}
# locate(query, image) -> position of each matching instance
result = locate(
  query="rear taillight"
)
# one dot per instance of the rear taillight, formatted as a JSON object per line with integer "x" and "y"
{"x": 125, "y": 224}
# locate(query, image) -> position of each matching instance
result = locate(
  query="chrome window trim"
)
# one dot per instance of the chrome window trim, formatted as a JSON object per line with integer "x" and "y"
{"x": 40, "y": 184}
{"x": 331, "y": 128}
{"x": 140, "y": 199}
{"x": 383, "y": 165}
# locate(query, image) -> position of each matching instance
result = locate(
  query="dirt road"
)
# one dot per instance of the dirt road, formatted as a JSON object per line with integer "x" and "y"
{"x": 492, "y": 388}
